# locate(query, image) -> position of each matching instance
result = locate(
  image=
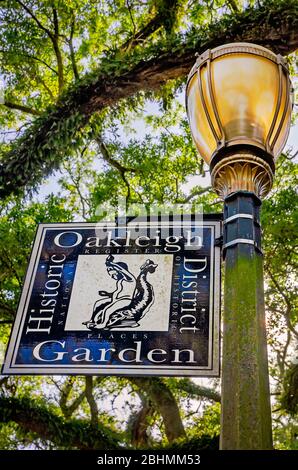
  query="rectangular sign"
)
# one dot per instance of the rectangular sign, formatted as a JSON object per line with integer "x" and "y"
{"x": 136, "y": 299}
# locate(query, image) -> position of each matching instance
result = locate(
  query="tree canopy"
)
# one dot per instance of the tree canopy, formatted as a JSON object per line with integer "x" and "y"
{"x": 77, "y": 67}
{"x": 92, "y": 109}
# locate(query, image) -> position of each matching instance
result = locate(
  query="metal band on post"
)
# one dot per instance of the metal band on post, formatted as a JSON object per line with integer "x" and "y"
{"x": 244, "y": 241}
{"x": 238, "y": 216}
{"x": 241, "y": 221}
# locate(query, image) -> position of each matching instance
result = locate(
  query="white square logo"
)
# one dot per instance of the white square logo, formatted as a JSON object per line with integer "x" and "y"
{"x": 121, "y": 293}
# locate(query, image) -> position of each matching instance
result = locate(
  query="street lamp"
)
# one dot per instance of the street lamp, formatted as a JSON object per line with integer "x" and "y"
{"x": 238, "y": 99}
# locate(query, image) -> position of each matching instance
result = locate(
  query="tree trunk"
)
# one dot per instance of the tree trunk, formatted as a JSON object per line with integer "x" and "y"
{"x": 165, "y": 403}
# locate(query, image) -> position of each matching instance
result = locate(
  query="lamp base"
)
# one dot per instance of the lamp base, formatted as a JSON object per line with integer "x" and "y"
{"x": 242, "y": 171}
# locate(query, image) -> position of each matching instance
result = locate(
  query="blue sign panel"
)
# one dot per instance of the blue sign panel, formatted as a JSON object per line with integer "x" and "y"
{"x": 135, "y": 299}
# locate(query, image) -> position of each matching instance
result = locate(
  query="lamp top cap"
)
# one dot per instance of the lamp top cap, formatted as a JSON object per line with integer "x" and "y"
{"x": 236, "y": 48}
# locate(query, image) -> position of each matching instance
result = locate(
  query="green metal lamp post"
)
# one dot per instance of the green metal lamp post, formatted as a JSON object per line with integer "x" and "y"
{"x": 239, "y": 106}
